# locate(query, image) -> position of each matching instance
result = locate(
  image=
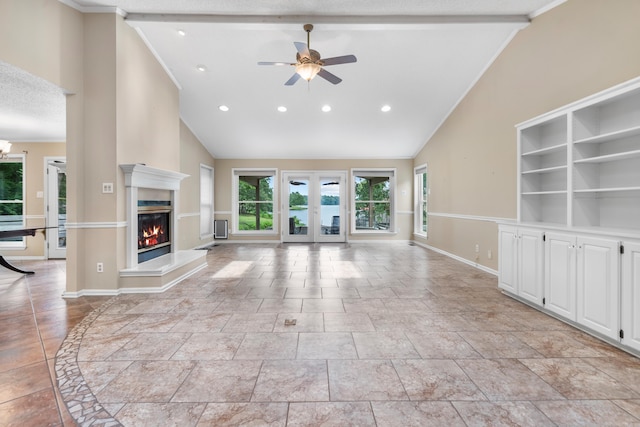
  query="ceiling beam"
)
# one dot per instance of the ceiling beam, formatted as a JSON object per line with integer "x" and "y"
{"x": 330, "y": 19}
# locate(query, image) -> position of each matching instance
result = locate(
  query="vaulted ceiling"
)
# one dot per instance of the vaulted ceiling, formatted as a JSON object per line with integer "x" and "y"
{"x": 417, "y": 57}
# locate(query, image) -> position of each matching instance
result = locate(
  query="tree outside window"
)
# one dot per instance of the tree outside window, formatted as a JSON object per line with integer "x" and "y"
{"x": 255, "y": 202}
{"x": 11, "y": 196}
{"x": 373, "y": 200}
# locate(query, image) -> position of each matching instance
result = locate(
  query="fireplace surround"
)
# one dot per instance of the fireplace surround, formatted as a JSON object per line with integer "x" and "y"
{"x": 152, "y": 194}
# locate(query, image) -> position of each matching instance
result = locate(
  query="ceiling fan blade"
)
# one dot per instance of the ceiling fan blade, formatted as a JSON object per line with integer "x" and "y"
{"x": 346, "y": 59}
{"x": 329, "y": 77}
{"x": 274, "y": 63}
{"x": 303, "y": 49}
{"x": 292, "y": 80}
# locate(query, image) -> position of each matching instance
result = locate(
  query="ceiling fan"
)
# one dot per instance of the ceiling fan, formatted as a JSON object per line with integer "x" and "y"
{"x": 309, "y": 62}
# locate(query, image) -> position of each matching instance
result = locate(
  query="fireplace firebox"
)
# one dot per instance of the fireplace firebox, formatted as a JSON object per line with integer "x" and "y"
{"x": 154, "y": 229}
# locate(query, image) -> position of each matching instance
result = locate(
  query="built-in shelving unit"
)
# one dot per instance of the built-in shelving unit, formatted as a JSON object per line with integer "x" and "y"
{"x": 579, "y": 166}
{"x": 575, "y": 250}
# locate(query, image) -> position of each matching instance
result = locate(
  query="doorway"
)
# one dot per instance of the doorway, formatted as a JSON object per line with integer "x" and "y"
{"x": 56, "y": 234}
{"x": 314, "y": 208}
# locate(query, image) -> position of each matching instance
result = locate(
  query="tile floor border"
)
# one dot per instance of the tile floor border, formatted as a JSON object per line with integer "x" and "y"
{"x": 76, "y": 394}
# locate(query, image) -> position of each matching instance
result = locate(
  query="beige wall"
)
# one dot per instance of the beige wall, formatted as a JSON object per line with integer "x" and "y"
{"x": 121, "y": 108}
{"x": 576, "y": 49}
{"x": 192, "y": 155}
{"x": 35, "y": 207}
{"x": 404, "y": 189}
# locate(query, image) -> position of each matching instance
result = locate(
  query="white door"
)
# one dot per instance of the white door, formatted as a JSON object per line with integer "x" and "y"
{"x": 530, "y": 265}
{"x": 631, "y": 295}
{"x": 56, "y": 234}
{"x": 508, "y": 259}
{"x": 560, "y": 274}
{"x": 314, "y": 206}
{"x": 597, "y": 285}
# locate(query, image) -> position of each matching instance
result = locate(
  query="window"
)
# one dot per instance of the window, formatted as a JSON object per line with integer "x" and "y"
{"x": 254, "y": 192}
{"x": 11, "y": 199}
{"x": 206, "y": 201}
{"x": 420, "y": 198}
{"x": 373, "y": 203}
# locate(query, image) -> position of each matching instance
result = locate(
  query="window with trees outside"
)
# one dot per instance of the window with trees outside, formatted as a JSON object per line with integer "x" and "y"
{"x": 206, "y": 201}
{"x": 254, "y": 195}
{"x": 12, "y": 198}
{"x": 373, "y": 205}
{"x": 420, "y": 198}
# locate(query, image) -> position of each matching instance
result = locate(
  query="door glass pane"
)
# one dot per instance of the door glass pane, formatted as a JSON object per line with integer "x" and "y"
{"x": 330, "y": 206}
{"x": 299, "y": 206}
{"x": 62, "y": 209}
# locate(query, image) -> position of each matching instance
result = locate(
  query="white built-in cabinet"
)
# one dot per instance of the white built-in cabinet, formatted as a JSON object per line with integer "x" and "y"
{"x": 630, "y": 295}
{"x": 579, "y": 193}
{"x": 521, "y": 255}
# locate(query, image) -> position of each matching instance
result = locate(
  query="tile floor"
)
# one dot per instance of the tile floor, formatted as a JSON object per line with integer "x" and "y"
{"x": 384, "y": 335}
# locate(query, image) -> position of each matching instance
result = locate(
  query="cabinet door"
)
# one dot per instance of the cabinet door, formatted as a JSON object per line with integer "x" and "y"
{"x": 559, "y": 274}
{"x": 598, "y": 285}
{"x": 530, "y": 265}
{"x": 508, "y": 259}
{"x": 631, "y": 295}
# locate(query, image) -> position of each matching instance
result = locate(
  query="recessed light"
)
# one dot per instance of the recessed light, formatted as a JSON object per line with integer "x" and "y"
{"x": 223, "y": 108}
{"x": 181, "y": 33}
{"x": 385, "y": 108}
{"x": 326, "y": 108}
{"x": 282, "y": 108}
{"x": 201, "y": 67}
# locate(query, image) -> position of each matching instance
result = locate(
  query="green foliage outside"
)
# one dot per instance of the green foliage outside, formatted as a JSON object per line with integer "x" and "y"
{"x": 252, "y": 199}
{"x": 11, "y": 188}
{"x": 372, "y": 193}
{"x": 248, "y": 222}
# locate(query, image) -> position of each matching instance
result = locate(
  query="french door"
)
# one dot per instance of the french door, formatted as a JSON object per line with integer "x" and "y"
{"x": 314, "y": 206}
{"x": 56, "y": 209}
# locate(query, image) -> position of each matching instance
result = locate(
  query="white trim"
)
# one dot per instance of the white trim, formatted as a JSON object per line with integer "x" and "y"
{"x": 458, "y": 258}
{"x": 116, "y": 292}
{"x": 25, "y": 258}
{"x": 158, "y": 58}
{"x": 86, "y": 225}
{"x": 470, "y": 217}
{"x": 188, "y": 214}
{"x": 94, "y": 9}
{"x": 471, "y": 86}
{"x": 28, "y": 217}
{"x": 222, "y": 212}
{"x": 546, "y": 8}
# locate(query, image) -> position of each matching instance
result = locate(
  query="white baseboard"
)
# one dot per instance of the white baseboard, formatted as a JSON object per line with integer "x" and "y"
{"x": 458, "y": 258}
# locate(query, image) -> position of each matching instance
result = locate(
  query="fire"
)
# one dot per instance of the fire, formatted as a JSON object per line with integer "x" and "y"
{"x": 150, "y": 236}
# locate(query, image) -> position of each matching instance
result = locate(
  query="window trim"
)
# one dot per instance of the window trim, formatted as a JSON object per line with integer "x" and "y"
{"x": 418, "y": 201}
{"x": 15, "y": 158}
{"x": 205, "y": 234}
{"x": 391, "y": 173}
{"x": 235, "y": 174}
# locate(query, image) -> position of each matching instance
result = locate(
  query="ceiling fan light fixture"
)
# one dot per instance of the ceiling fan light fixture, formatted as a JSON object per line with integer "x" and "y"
{"x": 308, "y": 70}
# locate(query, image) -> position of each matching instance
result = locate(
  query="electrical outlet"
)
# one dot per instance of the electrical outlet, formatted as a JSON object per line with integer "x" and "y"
{"x": 107, "y": 187}
{"x": 489, "y": 254}
{"x": 477, "y": 248}
{"x": 100, "y": 267}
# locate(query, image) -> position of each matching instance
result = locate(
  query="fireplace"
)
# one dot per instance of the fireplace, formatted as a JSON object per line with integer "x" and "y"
{"x": 154, "y": 229}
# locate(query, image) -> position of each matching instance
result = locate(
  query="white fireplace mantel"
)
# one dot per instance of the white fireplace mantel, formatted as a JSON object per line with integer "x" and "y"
{"x": 141, "y": 176}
